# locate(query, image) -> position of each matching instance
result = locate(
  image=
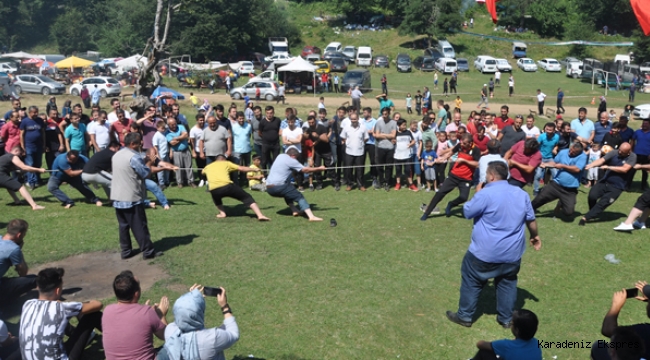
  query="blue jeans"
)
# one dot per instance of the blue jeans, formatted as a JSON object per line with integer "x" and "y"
{"x": 156, "y": 191}
{"x": 290, "y": 195}
{"x": 475, "y": 274}
{"x": 540, "y": 173}
{"x": 163, "y": 176}
{"x": 54, "y": 184}
{"x": 34, "y": 158}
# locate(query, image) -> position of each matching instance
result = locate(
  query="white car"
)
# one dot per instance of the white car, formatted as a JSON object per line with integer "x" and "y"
{"x": 503, "y": 65}
{"x": 279, "y": 58}
{"x": 107, "y": 86}
{"x": 246, "y": 67}
{"x": 642, "y": 111}
{"x": 549, "y": 64}
{"x": 8, "y": 68}
{"x": 644, "y": 67}
{"x": 485, "y": 64}
{"x": 268, "y": 90}
{"x": 350, "y": 51}
{"x": 527, "y": 64}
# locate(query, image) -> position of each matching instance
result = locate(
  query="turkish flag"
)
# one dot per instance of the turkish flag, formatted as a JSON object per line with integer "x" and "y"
{"x": 491, "y": 6}
{"x": 642, "y": 11}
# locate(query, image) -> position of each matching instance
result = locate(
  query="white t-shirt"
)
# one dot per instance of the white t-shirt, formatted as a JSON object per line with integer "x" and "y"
{"x": 355, "y": 139}
{"x": 195, "y": 135}
{"x": 112, "y": 117}
{"x": 42, "y": 327}
{"x": 541, "y": 96}
{"x": 511, "y": 82}
{"x": 159, "y": 141}
{"x": 292, "y": 135}
{"x": 497, "y": 75}
{"x": 534, "y": 132}
{"x": 417, "y": 136}
{"x": 345, "y": 123}
{"x": 102, "y": 133}
{"x": 321, "y": 105}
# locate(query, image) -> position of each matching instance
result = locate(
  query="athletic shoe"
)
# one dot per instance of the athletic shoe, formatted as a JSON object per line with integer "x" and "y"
{"x": 437, "y": 190}
{"x": 624, "y": 227}
{"x": 386, "y": 187}
{"x": 311, "y": 187}
{"x": 436, "y": 211}
{"x": 448, "y": 210}
{"x": 375, "y": 184}
{"x": 398, "y": 186}
{"x": 428, "y": 190}
{"x": 414, "y": 188}
{"x": 201, "y": 183}
{"x": 423, "y": 207}
{"x": 337, "y": 187}
{"x": 638, "y": 225}
{"x": 582, "y": 222}
{"x": 319, "y": 187}
{"x": 424, "y": 217}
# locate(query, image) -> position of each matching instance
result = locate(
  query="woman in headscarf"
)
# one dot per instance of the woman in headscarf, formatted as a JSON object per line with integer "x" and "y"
{"x": 187, "y": 339}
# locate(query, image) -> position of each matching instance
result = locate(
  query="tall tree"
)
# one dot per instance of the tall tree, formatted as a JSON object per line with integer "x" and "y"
{"x": 70, "y": 38}
{"x": 430, "y": 17}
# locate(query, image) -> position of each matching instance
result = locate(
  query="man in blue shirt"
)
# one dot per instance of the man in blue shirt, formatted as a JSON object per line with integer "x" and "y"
{"x": 11, "y": 255}
{"x": 625, "y": 132}
{"x": 560, "y": 100}
{"x": 241, "y": 155}
{"x": 68, "y": 168}
{"x": 602, "y": 127}
{"x": 641, "y": 144}
{"x": 568, "y": 165}
{"x": 498, "y": 243}
{"x": 583, "y": 127}
{"x": 369, "y": 122}
{"x": 524, "y": 346}
{"x": 384, "y": 102}
{"x": 547, "y": 142}
{"x": 32, "y": 139}
{"x": 180, "y": 153}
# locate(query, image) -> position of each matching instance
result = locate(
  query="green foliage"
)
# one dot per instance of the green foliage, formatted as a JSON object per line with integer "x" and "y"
{"x": 641, "y": 47}
{"x": 124, "y": 33}
{"x": 430, "y": 17}
{"x": 548, "y": 17}
{"x": 616, "y": 14}
{"x": 580, "y": 28}
{"x": 70, "y": 32}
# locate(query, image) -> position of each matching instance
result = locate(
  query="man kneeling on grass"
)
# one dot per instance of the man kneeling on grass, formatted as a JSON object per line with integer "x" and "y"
{"x": 524, "y": 346}
{"x": 220, "y": 186}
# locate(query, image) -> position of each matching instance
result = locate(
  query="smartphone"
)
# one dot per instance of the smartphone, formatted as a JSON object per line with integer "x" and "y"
{"x": 633, "y": 292}
{"x": 215, "y": 291}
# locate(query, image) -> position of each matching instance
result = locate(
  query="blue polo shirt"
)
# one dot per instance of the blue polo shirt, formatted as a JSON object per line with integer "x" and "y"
{"x": 242, "y": 138}
{"x": 370, "y": 125}
{"x": 181, "y": 146}
{"x": 565, "y": 178}
{"x": 77, "y": 137}
{"x": 500, "y": 212}
{"x": 61, "y": 163}
{"x": 388, "y": 103}
{"x": 560, "y": 95}
{"x": 547, "y": 145}
{"x": 641, "y": 143}
{"x": 601, "y": 131}
{"x": 583, "y": 130}
{"x": 626, "y": 135}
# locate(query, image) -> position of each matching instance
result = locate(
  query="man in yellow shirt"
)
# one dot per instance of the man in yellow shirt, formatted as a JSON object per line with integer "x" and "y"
{"x": 255, "y": 177}
{"x": 220, "y": 186}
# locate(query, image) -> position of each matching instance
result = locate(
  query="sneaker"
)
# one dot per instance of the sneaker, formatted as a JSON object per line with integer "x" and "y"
{"x": 423, "y": 207}
{"x": 423, "y": 217}
{"x": 638, "y": 225}
{"x": 301, "y": 189}
{"x": 201, "y": 183}
{"x": 437, "y": 190}
{"x": 414, "y": 188}
{"x": 337, "y": 187}
{"x": 398, "y": 186}
{"x": 436, "y": 211}
{"x": 386, "y": 187}
{"x": 624, "y": 227}
{"x": 319, "y": 187}
{"x": 375, "y": 185}
{"x": 311, "y": 187}
{"x": 582, "y": 222}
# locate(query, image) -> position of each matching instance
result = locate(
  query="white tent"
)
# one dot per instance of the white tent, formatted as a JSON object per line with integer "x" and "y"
{"x": 19, "y": 55}
{"x": 299, "y": 64}
{"x": 131, "y": 62}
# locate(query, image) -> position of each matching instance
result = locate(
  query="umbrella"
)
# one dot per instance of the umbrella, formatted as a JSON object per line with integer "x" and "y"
{"x": 45, "y": 64}
{"x": 160, "y": 90}
{"x": 73, "y": 62}
{"x": 19, "y": 55}
{"x": 32, "y": 61}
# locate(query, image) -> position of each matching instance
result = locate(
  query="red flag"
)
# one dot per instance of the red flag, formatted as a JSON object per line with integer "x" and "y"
{"x": 491, "y": 6}
{"x": 642, "y": 11}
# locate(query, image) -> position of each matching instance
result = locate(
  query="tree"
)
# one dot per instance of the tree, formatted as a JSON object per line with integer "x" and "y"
{"x": 616, "y": 14}
{"x": 641, "y": 47}
{"x": 579, "y": 28}
{"x": 548, "y": 17}
{"x": 430, "y": 17}
{"x": 70, "y": 32}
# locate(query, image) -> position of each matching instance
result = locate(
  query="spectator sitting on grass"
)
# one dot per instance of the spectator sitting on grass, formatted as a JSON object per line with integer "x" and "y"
{"x": 524, "y": 346}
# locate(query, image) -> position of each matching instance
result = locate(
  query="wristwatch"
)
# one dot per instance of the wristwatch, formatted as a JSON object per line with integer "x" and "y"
{"x": 227, "y": 310}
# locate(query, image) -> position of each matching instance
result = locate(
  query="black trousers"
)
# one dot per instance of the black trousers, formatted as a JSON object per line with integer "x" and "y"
{"x": 450, "y": 184}
{"x": 326, "y": 159}
{"x": 49, "y": 158}
{"x": 134, "y": 219}
{"x": 336, "y": 88}
{"x": 231, "y": 191}
{"x": 338, "y": 152}
{"x": 452, "y": 88}
{"x": 553, "y": 191}
{"x": 77, "y": 341}
{"x": 559, "y": 105}
{"x": 384, "y": 158}
{"x": 269, "y": 153}
{"x": 200, "y": 164}
{"x": 601, "y": 196}
{"x": 516, "y": 183}
{"x": 12, "y": 288}
{"x": 370, "y": 153}
{"x": 440, "y": 172}
{"x": 403, "y": 168}
{"x": 351, "y": 160}
{"x": 643, "y": 160}
{"x": 540, "y": 108}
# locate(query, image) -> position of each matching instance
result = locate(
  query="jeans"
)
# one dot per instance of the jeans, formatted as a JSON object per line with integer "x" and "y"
{"x": 540, "y": 108}
{"x": 53, "y": 186}
{"x": 153, "y": 188}
{"x": 484, "y": 100}
{"x": 34, "y": 158}
{"x": 258, "y": 149}
{"x": 163, "y": 176}
{"x": 475, "y": 274}
{"x": 540, "y": 173}
{"x": 290, "y": 195}
{"x": 241, "y": 159}
{"x": 385, "y": 159}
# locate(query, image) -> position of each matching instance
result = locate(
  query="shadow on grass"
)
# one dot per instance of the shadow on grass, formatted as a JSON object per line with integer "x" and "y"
{"x": 608, "y": 216}
{"x": 281, "y": 357}
{"x": 487, "y": 303}
{"x": 180, "y": 202}
{"x": 564, "y": 218}
{"x": 168, "y": 243}
{"x": 241, "y": 210}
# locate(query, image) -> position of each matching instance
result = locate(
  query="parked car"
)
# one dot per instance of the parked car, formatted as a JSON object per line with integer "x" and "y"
{"x": 549, "y": 64}
{"x": 279, "y": 58}
{"x": 526, "y": 64}
{"x": 8, "y": 68}
{"x": 446, "y": 49}
{"x": 268, "y": 90}
{"x": 323, "y": 67}
{"x": 644, "y": 67}
{"x": 445, "y": 65}
{"x": 588, "y": 75}
{"x": 403, "y": 63}
{"x": 246, "y": 67}
{"x": 39, "y": 84}
{"x": 484, "y": 63}
{"x": 381, "y": 61}
{"x": 568, "y": 60}
{"x": 433, "y": 53}
{"x": 424, "y": 63}
{"x": 364, "y": 56}
{"x": 338, "y": 65}
{"x": 336, "y": 55}
{"x": 308, "y": 50}
{"x": 333, "y": 47}
{"x": 574, "y": 69}
{"x": 642, "y": 111}
{"x": 312, "y": 58}
{"x": 356, "y": 77}
{"x": 503, "y": 65}
{"x": 462, "y": 64}
{"x": 350, "y": 51}
{"x": 107, "y": 86}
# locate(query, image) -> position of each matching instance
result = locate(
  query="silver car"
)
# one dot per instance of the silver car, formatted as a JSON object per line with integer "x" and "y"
{"x": 37, "y": 84}
{"x": 268, "y": 90}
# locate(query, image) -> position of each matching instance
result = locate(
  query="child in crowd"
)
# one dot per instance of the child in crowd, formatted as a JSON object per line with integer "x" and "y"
{"x": 403, "y": 143}
{"x": 592, "y": 175}
{"x": 524, "y": 346}
{"x": 443, "y": 145}
{"x": 558, "y": 115}
{"x": 160, "y": 144}
{"x": 409, "y": 110}
{"x": 247, "y": 100}
{"x": 451, "y": 143}
{"x": 307, "y": 147}
{"x": 445, "y": 88}
{"x": 255, "y": 178}
{"x": 459, "y": 103}
{"x": 67, "y": 108}
{"x": 418, "y": 103}
{"x": 427, "y": 163}
{"x": 416, "y": 149}
{"x": 195, "y": 100}
{"x": 612, "y": 115}
{"x": 321, "y": 103}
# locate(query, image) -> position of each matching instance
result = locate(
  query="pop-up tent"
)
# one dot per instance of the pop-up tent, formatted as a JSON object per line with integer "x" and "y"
{"x": 297, "y": 65}
{"x": 19, "y": 55}
{"x": 73, "y": 62}
{"x": 132, "y": 62}
{"x": 161, "y": 90}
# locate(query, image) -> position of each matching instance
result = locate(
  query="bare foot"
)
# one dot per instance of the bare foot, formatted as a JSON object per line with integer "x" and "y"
{"x": 263, "y": 218}
{"x": 38, "y": 207}
{"x": 99, "y": 203}
{"x": 166, "y": 207}
{"x": 152, "y": 205}
{"x": 68, "y": 206}
{"x": 295, "y": 213}
{"x": 221, "y": 215}
{"x": 314, "y": 219}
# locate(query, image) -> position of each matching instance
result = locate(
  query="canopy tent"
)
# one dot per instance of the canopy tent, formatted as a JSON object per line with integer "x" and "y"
{"x": 19, "y": 55}
{"x": 73, "y": 62}
{"x": 299, "y": 64}
{"x": 131, "y": 62}
{"x": 160, "y": 90}
{"x": 32, "y": 61}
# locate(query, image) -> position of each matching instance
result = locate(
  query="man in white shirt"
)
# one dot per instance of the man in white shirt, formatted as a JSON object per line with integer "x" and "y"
{"x": 497, "y": 77}
{"x": 100, "y": 132}
{"x": 354, "y": 138}
{"x": 292, "y": 135}
{"x": 494, "y": 154}
{"x": 530, "y": 129}
{"x": 112, "y": 116}
{"x": 356, "y": 96}
{"x": 540, "y": 102}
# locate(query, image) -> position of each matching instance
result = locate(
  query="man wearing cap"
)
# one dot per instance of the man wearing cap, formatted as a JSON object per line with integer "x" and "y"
{"x": 583, "y": 127}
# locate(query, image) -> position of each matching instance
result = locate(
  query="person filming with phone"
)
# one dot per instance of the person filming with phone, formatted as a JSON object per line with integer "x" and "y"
{"x": 641, "y": 291}
{"x": 188, "y": 339}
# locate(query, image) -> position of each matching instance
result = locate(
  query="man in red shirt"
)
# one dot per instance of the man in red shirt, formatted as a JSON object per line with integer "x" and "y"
{"x": 121, "y": 126}
{"x": 504, "y": 120}
{"x": 523, "y": 158}
{"x": 10, "y": 132}
{"x": 480, "y": 140}
{"x": 473, "y": 123}
{"x": 460, "y": 176}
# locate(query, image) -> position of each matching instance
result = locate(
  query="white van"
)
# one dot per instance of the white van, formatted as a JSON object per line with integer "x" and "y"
{"x": 485, "y": 64}
{"x": 364, "y": 56}
{"x": 446, "y": 49}
{"x": 574, "y": 69}
{"x": 446, "y": 65}
{"x": 333, "y": 47}
{"x": 625, "y": 59}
